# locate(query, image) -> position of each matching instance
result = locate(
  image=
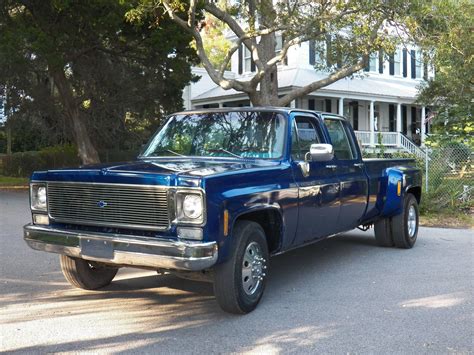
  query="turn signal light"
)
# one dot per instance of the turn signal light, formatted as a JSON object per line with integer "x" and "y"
{"x": 226, "y": 223}
{"x": 40, "y": 219}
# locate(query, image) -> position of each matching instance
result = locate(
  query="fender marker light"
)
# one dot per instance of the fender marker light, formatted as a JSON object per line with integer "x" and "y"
{"x": 226, "y": 223}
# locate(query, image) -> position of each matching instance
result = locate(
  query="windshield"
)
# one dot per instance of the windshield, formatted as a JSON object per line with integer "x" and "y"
{"x": 221, "y": 134}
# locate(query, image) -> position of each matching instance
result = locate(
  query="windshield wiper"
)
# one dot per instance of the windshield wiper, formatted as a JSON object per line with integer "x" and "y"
{"x": 164, "y": 150}
{"x": 173, "y": 152}
{"x": 224, "y": 151}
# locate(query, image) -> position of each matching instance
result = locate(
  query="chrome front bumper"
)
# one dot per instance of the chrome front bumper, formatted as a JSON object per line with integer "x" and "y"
{"x": 123, "y": 250}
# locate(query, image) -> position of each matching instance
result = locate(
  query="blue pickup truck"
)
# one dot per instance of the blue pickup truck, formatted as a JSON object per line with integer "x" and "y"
{"x": 215, "y": 193}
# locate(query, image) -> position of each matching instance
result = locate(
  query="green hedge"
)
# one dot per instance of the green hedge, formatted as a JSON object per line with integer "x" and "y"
{"x": 24, "y": 163}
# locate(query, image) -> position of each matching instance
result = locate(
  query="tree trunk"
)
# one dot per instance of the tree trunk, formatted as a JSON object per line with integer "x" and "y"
{"x": 9, "y": 138}
{"x": 85, "y": 148}
{"x": 269, "y": 83}
{"x": 267, "y": 95}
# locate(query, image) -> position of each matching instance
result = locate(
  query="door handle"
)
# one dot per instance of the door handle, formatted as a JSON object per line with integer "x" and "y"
{"x": 359, "y": 165}
{"x": 331, "y": 167}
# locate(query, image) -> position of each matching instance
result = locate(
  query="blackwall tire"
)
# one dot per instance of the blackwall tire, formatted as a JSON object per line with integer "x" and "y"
{"x": 240, "y": 282}
{"x": 383, "y": 233}
{"x": 405, "y": 225}
{"x": 86, "y": 274}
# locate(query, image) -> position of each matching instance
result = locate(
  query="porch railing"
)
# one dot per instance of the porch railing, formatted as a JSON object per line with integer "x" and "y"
{"x": 390, "y": 139}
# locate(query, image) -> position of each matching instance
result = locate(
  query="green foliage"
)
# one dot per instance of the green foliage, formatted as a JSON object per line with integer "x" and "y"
{"x": 24, "y": 163}
{"x": 215, "y": 43}
{"x": 124, "y": 77}
{"x": 445, "y": 32}
{"x": 381, "y": 152}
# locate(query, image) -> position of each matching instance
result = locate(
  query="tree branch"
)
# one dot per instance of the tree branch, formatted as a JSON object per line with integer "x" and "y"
{"x": 216, "y": 76}
{"x": 342, "y": 73}
{"x": 346, "y": 71}
{"x": 249, "y": 40}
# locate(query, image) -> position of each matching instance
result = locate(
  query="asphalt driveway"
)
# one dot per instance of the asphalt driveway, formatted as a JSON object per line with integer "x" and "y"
{"x": 342, "y": 295}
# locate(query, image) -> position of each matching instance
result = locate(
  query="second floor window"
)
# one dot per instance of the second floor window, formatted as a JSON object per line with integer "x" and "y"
{"x": 373, "y": 62}
{"x": 394, "y": 63}
{"x": 247, "y": 60}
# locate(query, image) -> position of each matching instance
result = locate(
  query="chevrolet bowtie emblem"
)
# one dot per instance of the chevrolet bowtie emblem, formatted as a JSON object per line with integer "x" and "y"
{"x": 102, "y": 204}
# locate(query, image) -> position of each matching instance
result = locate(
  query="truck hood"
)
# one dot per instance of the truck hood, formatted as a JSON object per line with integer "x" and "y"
{"x": 170, "y": 172}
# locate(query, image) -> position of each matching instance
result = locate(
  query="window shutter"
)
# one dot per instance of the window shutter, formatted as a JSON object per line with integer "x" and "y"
{"x": 405, "y": 64}
{"x": 391, "y": 117}
{"x": 355, "y": 117}
{"x": 392, "y": 64}
{"x": 252, "y": 65}
{"x": 240, "y": 54}
{"x": 413, "y": 64}
{"x": 328, "y": 51}
{"x": 339, "y": 58}
{"x": 413, "y": 120}
{"x": 425, "y": 67}
{"x": 312, "y": 53}
{"x": 311, "y": 105}
{"x": 381, "y": 62}
{"x": 328, "y": 105}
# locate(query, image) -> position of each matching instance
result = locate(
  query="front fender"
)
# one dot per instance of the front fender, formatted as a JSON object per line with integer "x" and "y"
{"x": 228, "y": 242}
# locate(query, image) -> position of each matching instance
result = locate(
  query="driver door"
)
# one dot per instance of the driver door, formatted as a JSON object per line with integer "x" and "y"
{"x": 319, "y": 201}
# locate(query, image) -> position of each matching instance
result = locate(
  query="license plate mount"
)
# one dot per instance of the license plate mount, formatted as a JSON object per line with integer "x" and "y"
{"x": 96, "y": 248}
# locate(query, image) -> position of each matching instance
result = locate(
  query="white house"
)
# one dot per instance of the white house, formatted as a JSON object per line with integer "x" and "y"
{"x": 379, "y": 102}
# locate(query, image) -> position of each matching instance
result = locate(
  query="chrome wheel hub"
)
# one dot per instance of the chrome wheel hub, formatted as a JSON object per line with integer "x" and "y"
{"x": 411, "y": 221}
{"x": 253, "y": 268}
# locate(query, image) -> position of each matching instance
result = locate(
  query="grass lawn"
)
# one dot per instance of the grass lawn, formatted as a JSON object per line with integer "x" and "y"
{"x": 448, "y": 219}
{"x": 12, "y": 181}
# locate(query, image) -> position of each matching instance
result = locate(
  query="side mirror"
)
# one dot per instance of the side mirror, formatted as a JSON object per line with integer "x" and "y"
{"x": 320, "y": 152}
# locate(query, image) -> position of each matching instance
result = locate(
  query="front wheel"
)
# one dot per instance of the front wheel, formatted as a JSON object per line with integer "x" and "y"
{"x": 405, "y": 225}
{"x": 85, "y": 274}
{"x": 239, "y": 283}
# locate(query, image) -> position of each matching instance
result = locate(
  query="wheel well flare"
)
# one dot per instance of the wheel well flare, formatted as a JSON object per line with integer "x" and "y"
{"x": 271, "y": 221}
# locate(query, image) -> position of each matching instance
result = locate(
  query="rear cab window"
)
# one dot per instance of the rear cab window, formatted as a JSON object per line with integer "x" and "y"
{"x": 341, "y": 138}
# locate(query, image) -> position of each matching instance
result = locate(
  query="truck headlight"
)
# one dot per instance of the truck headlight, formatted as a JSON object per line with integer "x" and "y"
{"x": 190, "y": 207}
{"x": 38, "y": 197}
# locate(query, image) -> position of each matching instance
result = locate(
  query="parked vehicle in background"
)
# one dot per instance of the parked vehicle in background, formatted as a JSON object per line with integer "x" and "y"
{"x": 215, "y": 194}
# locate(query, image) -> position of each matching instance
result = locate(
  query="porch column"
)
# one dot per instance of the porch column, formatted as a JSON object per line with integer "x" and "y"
{"x": 423, "y": 127}
{"x": 221, "y": 104}
{"x": 399, "y": 124}
{"x": 372, "y": 124}
{"x": 341, "y": 106}
{"x": 293, "y": 104}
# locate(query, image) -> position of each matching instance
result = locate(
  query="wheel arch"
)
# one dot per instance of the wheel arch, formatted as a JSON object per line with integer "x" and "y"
{"x": 415, "y": 191}
{"x": 270, "y": 218}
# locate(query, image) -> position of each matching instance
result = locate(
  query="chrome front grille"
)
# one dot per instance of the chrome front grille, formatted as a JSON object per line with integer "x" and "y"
{"x": 114, "y": 205}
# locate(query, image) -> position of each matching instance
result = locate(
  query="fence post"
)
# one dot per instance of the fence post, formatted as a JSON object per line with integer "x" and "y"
{"x": 426, "y": 169}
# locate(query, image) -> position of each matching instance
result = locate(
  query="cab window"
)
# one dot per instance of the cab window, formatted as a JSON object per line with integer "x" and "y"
{"x": 343, "y": 149}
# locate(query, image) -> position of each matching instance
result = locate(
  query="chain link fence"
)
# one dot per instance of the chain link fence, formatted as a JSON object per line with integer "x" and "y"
{"x": 448, "y": 176}
{"x": 449, "y": 173}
